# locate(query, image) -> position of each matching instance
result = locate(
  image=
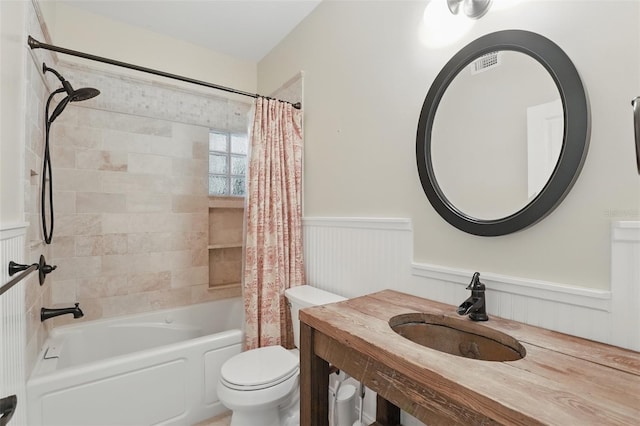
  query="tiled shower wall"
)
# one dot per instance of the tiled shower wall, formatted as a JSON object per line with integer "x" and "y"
{"x": 131, "y": 197}
{"x": 36, "y": 93}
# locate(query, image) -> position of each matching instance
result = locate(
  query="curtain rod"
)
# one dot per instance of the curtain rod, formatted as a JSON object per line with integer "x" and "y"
{"x": 35, "y": 44}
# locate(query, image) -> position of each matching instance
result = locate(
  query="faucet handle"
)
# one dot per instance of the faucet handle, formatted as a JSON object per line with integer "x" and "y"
{"x": 475, "y": 283}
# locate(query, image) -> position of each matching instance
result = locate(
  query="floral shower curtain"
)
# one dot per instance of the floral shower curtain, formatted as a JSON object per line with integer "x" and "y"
{"x": 273, "y": 258}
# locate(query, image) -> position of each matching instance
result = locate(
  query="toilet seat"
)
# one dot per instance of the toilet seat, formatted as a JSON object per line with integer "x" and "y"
{"x": 259, "y": 368}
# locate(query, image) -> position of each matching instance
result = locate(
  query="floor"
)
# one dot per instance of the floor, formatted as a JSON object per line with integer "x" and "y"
{"x": 221, "y": 420}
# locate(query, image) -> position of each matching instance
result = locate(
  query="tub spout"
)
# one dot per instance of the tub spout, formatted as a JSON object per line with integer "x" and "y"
{"x": 46, "y": 313}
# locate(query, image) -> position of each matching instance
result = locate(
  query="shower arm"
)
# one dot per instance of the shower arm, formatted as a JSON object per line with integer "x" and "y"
{"x": 35, "y": 44}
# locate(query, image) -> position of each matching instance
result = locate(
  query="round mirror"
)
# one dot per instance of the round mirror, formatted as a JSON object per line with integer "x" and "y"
{"x": 503, "y": 133}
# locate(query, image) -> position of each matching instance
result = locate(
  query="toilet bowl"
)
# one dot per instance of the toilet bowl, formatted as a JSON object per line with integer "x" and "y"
{"x": 261, "y": 386}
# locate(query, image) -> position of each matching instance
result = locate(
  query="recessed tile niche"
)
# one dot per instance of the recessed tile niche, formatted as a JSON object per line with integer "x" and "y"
{"x": 225, "y": 242}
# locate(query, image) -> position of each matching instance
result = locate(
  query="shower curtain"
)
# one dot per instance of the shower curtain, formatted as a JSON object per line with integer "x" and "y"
{"x": 273, "y": 256}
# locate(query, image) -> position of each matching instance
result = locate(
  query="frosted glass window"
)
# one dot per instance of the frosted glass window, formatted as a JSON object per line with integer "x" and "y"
{"x": 227, "y": 163}
{"x": 237, "y": 186}
{"x": 218, "y": 185}
{"x": 218, "y": 141}
{"x": 239, "y": 144}
{"x": 238, "y": 165}
{"x": 218, "y": 163}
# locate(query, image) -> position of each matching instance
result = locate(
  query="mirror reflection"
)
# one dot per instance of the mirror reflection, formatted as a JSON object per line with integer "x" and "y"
{"x": 497, "y": 135}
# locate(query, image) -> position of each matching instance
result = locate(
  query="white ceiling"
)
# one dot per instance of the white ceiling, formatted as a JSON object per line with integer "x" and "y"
{"x": 245, "y": 29}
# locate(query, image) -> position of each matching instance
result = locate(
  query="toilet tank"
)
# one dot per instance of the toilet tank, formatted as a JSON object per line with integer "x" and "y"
{"x": 304, "y": 296}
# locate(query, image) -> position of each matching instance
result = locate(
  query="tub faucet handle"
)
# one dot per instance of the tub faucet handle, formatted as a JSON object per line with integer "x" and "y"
{"x": 44, "y": 269}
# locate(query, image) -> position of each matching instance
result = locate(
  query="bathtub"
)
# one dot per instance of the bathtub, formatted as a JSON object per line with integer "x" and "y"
{"x": 147, "y": 369}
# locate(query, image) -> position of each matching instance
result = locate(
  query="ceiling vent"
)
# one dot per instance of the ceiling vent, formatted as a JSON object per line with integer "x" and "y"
{"x": 485, "y": 62}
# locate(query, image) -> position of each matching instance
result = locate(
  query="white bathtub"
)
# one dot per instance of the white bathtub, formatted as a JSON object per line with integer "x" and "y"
{"x": 147, "y": 369}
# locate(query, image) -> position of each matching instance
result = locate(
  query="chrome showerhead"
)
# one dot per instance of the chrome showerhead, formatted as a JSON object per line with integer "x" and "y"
{"x": 72, "y": 95}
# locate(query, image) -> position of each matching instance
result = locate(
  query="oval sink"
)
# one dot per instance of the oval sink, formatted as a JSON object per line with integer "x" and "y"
{"x": 457, "y": 337}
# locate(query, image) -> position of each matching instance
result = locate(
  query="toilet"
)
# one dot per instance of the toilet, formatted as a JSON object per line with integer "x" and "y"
{"x": 261, "y": 386}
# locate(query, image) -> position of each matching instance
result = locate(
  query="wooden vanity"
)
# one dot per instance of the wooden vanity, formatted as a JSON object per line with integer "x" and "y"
{"x": 562, "y": 379}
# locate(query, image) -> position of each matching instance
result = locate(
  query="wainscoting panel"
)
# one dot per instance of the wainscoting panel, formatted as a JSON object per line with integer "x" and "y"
{"x": 357, "y": 256}
{"x": 625, "y": 284}
{"x": 13, "y": 323}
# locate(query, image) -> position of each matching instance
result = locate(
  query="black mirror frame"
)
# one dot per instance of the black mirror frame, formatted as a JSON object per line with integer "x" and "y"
{"x": 575, "y": 138}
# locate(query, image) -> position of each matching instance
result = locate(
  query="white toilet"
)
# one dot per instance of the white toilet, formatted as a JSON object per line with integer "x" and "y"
{"x": 261, "y": 386}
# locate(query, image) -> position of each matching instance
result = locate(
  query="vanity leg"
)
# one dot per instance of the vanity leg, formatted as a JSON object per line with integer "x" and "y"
{"x": 314, "y": 382}
{"x": 387, "y": 414}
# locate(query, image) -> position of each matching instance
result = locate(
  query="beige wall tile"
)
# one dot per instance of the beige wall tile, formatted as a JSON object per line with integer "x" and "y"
{"x": 76, "y": 180}
{"x": 188, "y": 240}
{"x": 63, "y": 226}
{"x": 189, "y": 185}
{"x": 189, "y": 276}
{"x": 191, "y": 222}
{"x": 77, "y": 224}
{"x": 132, "y": 222}
{"x": 98, "y": 202}
{"x": 202, "y": 293}
{"x": 89, "y": 245}
{"x": 189, "y": 167}
{"x": 115, "y": 243}
{"x": 153, "y": 222}
{"x": 64, "y": 292}
{"x": 77, "y": 267}
{"x": 151, "y": 281}
{"x": 87, "y": 224}
{"x": 102, "y": 119}
{"x": 173, "y": 147}
{"x": 149, "y": 164}
{"x": 115, "y": 223}
{"x": 148, "y": 202}
{"x": 64, "y": 202}
{"x": 200, "y": 150}
{"x": 102, "y": 286}
{"x": 124, "y": 183}
{"x": 200, "y": 257}
{"x": 116, "y": 140}
{"x": 149, "y": 242}
{"x": 144, "y": 302}
{"x": 65, "y": 246}
{"x": 189, "y": 203}
{"x": 190, "y": 132}
{"x": 63, "y": 157}
{"x": 73, "y": 136}
{"x": 101, "y": 160}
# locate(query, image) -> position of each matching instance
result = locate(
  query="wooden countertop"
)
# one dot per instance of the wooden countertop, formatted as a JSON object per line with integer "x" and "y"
{"x": 563, "y": 380}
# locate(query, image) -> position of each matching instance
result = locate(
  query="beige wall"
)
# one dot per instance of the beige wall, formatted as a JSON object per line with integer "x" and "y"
{"x": 12, "y": 84}
{"x": 366, "y": 76}
{"x": 76, "y": 29}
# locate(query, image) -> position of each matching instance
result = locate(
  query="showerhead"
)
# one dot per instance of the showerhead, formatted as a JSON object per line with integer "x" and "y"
{"x": 72, "y": 95}
{"x": 84, "y": 94}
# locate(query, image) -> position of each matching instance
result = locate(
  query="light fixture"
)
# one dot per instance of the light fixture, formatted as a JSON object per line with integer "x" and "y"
{"x": 474, "y": 9}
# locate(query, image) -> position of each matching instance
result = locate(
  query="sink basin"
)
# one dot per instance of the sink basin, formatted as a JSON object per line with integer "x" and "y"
{"x": 457, "y": 337}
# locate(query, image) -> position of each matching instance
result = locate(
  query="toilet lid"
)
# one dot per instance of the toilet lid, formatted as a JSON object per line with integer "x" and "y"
{"x": 259, "y": 368}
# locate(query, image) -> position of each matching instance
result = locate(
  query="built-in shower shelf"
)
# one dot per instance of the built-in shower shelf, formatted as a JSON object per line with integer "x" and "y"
{"x": 226, "y": 216}
{"x": 224, "y": 246}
